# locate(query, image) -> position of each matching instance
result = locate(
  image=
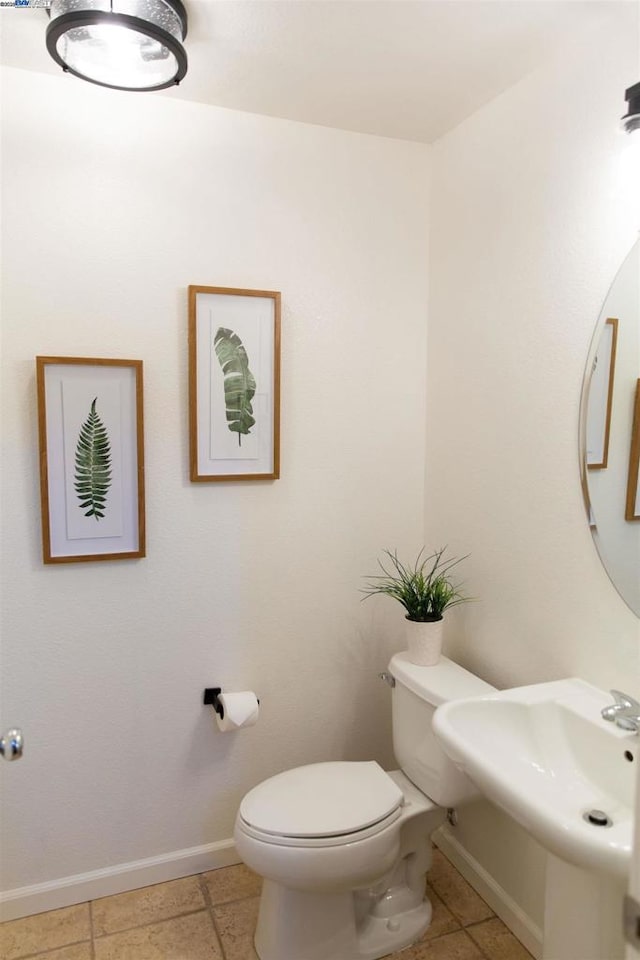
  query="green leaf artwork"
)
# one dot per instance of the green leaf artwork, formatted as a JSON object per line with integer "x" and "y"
{"x": 239, "y": 382}
{"x": 93, "y": 465}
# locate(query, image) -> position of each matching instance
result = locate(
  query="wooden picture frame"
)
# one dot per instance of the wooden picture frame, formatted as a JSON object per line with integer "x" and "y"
{"x": 632, "y": 505}
{"x": 234, "y": 384}
{"x": 90, "y": 428}
{"x": 601, "y": 397}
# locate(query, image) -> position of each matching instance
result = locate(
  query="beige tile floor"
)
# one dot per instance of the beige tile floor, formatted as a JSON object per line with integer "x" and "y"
{"x": 212, "y": 917}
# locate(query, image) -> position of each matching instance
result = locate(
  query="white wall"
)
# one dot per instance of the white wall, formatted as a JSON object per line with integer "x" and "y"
{"x": 113, "y": 204}
{"x": 529, "y": 224}
{"x": 530, "y": 221}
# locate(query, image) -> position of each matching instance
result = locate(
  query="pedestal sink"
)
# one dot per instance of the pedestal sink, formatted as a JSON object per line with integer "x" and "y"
{"x": 544, "y": 755}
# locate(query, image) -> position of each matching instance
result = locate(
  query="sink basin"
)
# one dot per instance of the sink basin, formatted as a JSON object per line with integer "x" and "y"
{"x": 544, "y": 755}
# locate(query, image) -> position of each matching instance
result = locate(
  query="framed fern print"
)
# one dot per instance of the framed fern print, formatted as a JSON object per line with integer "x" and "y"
{"x": 90, "y": 427}
{"x": 234, "y": 384}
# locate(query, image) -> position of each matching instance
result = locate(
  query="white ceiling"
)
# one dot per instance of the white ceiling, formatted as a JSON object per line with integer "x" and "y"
{"x": 411, "y": 69}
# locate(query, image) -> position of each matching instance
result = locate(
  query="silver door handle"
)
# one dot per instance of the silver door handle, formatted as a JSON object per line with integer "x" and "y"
{"x": 11, "y": 744}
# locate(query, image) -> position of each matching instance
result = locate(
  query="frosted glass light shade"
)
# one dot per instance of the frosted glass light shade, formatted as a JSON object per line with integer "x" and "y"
{"x": 125, "y": 44}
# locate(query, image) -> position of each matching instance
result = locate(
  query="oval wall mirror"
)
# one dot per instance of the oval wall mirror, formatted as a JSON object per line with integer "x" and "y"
{"x": 610, "y": 432}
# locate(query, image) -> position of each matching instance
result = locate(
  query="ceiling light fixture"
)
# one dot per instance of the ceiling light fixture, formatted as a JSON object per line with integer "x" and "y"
{"x": 631, "y": 119}
{"x": 123, "y": 44}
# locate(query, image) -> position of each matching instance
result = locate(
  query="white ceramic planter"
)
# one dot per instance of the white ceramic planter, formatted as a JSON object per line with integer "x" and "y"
{"x": 424, "y": 641}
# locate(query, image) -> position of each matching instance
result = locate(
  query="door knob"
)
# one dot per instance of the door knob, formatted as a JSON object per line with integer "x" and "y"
{"x": 11, "y": 744}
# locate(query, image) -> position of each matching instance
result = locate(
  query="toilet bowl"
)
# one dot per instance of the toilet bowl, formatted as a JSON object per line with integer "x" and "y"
{"x": 346, "y": 881}
{"x": 343, "y": 846}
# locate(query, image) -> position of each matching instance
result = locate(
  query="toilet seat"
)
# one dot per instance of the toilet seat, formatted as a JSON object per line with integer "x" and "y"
{"x": 322, "y": 804}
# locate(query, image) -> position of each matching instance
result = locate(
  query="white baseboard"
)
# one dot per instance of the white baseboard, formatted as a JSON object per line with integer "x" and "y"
{"x": 520, "y": 924}
{"x": 25, "y": 901}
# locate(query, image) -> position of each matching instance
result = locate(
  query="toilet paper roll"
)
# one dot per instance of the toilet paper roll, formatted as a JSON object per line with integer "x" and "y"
{"x": 238, "y": 710}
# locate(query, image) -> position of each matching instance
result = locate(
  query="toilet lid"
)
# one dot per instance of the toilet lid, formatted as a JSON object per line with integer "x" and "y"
{"x": 322, "y": 800}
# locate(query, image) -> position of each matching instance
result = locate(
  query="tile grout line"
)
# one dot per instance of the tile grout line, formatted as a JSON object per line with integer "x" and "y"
{"x": 479, "y": 923}
{"x": 43, "y": 954}
{"x": 92, "y": 931}
{"x": 480, "y": 949}
{"x": 208, "y": 902}
{"x": 432, "y": 895}
{"x": 149, "y": 923}
{"x": 454, "y": 933}
{"x": 454, "y": 914}
{"x": 463, "y": 927}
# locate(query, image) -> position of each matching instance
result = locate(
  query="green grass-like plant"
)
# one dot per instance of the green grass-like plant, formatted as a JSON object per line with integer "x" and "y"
{"x": 424, "y": 589}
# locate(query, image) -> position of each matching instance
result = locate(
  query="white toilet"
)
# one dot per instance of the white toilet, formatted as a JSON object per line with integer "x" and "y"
{"x": 344, "y": 847}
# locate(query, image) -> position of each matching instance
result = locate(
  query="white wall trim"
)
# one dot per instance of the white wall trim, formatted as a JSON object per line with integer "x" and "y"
{"x": 520, "y": 923}
{"x": 25, "y": 901}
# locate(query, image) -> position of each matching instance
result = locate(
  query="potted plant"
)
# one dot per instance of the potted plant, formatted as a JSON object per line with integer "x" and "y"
{"x": 425, "y": 589}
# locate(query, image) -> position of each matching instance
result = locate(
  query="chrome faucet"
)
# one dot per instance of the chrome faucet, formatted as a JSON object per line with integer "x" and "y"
{"x": 625, "y": 711}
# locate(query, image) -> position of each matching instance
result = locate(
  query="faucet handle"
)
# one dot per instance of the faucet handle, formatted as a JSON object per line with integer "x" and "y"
{"x": 622, "y": 698}
{"x": 622, "y": 702}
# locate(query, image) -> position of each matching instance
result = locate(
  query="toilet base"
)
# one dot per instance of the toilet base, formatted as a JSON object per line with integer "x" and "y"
{"x": 312, "y": 926}
{"x": 376, "y": 939}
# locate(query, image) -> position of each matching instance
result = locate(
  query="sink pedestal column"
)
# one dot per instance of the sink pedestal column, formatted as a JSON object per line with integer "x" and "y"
{"x": 582, "y": 914}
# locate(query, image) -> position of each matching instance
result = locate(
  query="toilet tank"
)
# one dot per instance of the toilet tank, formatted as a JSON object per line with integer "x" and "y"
{"x": 415, "y": 696}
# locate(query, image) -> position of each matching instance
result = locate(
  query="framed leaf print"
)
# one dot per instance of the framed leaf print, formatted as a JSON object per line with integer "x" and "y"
{"x": 234, "y": 384}
{"x": 90, "y": 431}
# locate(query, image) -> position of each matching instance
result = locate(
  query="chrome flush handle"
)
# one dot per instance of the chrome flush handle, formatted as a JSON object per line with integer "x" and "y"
{"x": 388, "y": 678}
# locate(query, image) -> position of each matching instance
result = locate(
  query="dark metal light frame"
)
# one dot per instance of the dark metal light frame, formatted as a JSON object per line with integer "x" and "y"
{"x": 631, "y": 119}
{"x": 88, "y": 18}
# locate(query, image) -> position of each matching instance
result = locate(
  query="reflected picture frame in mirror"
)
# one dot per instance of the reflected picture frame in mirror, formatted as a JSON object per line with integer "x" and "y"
{"x": 632, "y": 512}
{"x": 601, "y": 397}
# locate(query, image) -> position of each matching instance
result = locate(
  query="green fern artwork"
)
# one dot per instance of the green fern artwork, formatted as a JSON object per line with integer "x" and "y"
{"x": 93, "y": 465}
{"x": 239, "y": 382}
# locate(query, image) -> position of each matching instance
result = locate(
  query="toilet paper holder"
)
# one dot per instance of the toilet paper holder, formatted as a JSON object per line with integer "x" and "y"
{"x": 210, "y": 699}
{"x": 211, "y": 695}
